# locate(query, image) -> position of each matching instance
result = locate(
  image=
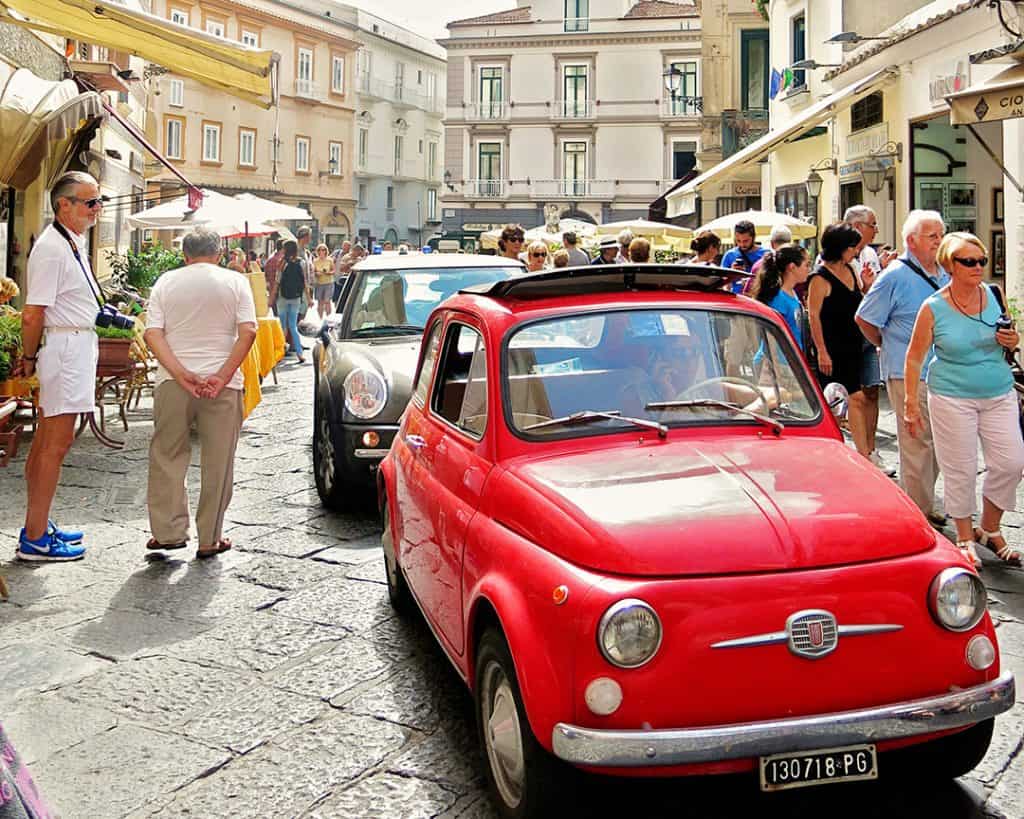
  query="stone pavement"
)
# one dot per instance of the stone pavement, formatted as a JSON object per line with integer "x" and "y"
{"x": 274, "y": 681}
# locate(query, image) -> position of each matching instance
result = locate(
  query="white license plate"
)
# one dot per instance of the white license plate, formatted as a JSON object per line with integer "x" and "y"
{"x": 803, "y": 768}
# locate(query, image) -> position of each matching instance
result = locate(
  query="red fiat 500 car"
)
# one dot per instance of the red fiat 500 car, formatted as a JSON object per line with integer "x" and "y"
{"x": 631, "y": 521}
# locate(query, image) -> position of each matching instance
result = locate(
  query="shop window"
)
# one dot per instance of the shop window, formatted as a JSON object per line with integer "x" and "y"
{"x": 866, "y": 112}
{"x": 724, "y": 205}
{"x": 793, "y": 200}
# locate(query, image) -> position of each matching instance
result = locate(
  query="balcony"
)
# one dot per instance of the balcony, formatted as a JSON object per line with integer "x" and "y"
{"x": 305, "y": 89}
{"x": 742, "y": 127}
{"x": 682, "y": 107}
{"x": 573, "y": 24}
{"x": 484, "y": 189}
{"x": 408, "y": 170}
{"x": 487, "y": 111}
{"x": 601, "y": 189}
{"x": 572, "y": 109}
{"x": 402, "y": 97}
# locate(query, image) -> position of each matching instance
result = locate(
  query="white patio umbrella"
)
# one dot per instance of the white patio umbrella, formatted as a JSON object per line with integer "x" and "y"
{"x": 659, "y": 233}
{"x": 763, "y": 221}
{"x": 229, "y": 215}
{"x": 583, "y": 230}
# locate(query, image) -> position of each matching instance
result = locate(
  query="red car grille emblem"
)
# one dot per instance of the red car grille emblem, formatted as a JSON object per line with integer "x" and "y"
{"x": 812, "y": 633}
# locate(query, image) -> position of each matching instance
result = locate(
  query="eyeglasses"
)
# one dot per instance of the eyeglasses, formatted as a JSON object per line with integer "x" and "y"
{"x": 514, "y": 239}
{"x": 539, "y": 255}
{"x": 90, "y": 203}
{"x": 972, "y": 262}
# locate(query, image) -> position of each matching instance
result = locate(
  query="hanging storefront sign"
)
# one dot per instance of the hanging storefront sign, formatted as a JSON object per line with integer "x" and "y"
{"x": 1001, "y": 97}
{"x": 866, "y": 141}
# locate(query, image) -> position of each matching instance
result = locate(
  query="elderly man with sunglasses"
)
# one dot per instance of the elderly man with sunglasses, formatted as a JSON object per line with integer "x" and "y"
{"x": 59, "y": 344}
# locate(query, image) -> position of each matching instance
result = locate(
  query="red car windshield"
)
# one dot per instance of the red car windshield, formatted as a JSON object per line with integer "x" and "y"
{"x": 674, "y": 367}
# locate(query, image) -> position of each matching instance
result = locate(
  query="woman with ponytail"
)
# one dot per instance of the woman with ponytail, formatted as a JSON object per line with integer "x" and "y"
{"x": 781, "y": 271}
{"x": 706, "y": 245}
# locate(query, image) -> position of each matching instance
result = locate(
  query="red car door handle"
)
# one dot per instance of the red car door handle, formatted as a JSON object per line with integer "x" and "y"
{"x": 416, "y": 441}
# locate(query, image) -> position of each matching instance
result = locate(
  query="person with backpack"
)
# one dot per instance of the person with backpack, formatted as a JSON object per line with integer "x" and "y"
{"x": 292, "y": 297}
{"x": 971, "y": 395}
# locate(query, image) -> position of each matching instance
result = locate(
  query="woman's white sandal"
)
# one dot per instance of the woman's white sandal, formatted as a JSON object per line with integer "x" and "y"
{"x": 1005, "y": 553}
{"x": 966, "y": 548}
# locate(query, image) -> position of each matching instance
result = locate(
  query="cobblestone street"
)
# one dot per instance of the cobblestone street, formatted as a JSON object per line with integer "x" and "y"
{"x": 275, "y": 681}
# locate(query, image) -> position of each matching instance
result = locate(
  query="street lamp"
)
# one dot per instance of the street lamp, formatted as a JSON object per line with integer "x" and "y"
{"x": 874, "y": 171}
{"x": 814, "y": 179}
{"x": 811, "y": 65}
{"x": 851, "y": 38}
{"x": 673, "y": 79}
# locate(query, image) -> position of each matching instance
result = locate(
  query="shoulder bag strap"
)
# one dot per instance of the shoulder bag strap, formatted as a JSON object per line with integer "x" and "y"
{"x": 919, "y": 271}
{"x": 94, "y": 285}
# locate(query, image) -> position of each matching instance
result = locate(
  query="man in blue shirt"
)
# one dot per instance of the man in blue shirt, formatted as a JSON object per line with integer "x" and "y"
{"x": 745, "y": 254}
{"x": 886, "y": 316}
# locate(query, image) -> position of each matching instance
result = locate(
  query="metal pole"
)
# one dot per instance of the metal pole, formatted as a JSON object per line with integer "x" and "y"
{"x": 996, "y": 159}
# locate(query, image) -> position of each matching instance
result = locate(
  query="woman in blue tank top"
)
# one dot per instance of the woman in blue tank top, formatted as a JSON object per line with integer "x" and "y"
{"x": 971, "y": 396}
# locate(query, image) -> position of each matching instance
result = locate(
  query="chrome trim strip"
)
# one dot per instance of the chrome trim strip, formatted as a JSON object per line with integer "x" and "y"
{"x": 778, "y": 637}
{"x": 683, "y": 746}
{"x": 370, "y": 453}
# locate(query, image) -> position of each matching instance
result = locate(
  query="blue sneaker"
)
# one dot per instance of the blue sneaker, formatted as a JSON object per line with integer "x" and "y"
{"x": 47, "y": 549}
{"x": 71, "y": 536}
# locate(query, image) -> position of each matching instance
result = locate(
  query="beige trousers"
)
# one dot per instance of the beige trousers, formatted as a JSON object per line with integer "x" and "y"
{"x": 218, "y": 422}
{"x": 918, "y": 468}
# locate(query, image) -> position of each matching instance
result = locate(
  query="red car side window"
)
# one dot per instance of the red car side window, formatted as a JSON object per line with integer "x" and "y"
{"x": 422, "y": 385}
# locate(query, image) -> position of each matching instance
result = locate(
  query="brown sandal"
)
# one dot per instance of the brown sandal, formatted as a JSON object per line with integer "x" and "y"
{"x": 223, "y": 545}
{"x": 154, "y": 545}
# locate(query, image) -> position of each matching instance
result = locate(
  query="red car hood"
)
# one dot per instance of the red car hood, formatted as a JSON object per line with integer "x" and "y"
{"x": 725, "y": 505}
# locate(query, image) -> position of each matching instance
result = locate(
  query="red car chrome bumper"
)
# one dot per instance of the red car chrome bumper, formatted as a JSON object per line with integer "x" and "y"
{"x": 618, "y": 748}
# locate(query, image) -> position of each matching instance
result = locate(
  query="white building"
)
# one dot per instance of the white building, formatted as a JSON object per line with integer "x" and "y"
{"x": 563, "y": 103}
{"x": 400, "y": 92}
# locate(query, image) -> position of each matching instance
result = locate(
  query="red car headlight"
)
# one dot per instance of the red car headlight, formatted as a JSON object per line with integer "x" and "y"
{"x": 629, "y": 633}
{"x": 957, "y": 599}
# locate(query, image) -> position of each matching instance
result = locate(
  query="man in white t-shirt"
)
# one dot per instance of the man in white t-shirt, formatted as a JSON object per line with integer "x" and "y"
{"x": 201, "y": 323}
{"x": 59, "y": 344}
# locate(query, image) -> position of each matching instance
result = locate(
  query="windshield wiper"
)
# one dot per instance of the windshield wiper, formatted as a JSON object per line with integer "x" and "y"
{"x": 589, "y": 416}
{"x": 776, "y": 426}
{"x": 383, "y": 329}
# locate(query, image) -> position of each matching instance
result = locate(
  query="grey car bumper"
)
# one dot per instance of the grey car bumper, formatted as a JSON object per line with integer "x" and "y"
{"x": 615, "y": 748}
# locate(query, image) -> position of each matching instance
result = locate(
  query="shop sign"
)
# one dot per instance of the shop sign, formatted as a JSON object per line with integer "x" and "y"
{"x": 481, "y": 226}
{"x": 863, "y": 143}
{"x": 746, "y": 188}
{"x": 853, "y": 169}
{"x": 949, "y": 78}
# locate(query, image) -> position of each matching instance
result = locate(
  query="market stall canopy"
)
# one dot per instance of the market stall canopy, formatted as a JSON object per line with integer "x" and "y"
{"x": 38, "y": 122}
{"x": 764, "y": 221}
{"x": 246, "y": 72}
{"x": 683, "y": 201}
{"x": 228, "y": 215}
{"x": 583, "y": 230}
{"x": 1000, "y": 97}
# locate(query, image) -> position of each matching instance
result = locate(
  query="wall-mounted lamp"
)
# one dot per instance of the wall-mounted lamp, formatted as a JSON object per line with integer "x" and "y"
{"x": 874, "y": 171}
{"x": 448, "y": 180}
{"x": 673, "y": 78}
{"x": 851, "y": 38}
{"x": 811, "y": 65}
{"x": 814, "y": 179}
{"x": 332, "y": 169}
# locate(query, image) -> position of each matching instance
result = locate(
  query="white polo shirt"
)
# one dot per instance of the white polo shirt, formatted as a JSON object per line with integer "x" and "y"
{"x": 57, "y": 283}
{"x": 199, "y": 308}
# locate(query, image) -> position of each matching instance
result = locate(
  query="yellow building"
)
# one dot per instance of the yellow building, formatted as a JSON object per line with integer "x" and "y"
{"x": 300, "y": 154}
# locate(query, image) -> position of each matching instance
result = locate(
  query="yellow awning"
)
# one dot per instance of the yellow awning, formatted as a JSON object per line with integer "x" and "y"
{"x": 683, "y": 200}
{"x": 1001, "y": 97}
{"x": 249, "y": 73}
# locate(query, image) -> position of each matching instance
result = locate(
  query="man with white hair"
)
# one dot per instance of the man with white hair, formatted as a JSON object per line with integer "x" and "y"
{"x": 200, "y": 343}
{"x": 624, "y": 238}
{"x": 886, "y": 316}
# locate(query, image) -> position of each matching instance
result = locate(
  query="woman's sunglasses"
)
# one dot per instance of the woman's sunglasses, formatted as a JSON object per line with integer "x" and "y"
{"x": 539, "y": 255}
{"x": 979, "y": 262}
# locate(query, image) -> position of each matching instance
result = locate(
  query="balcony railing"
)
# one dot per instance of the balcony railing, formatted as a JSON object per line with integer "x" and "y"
{"x": 487, "y": 111}
{"x": 305, "y": 89}
{"x": 363, "y": 83}
{"x": 740, "y": 128}
{"x": 573, "y": 109}
{"x": 572, "y": 188}
{"x": 485, "y": 188}
{"x": 577, "y": 24}
{"x": 682, "y": 107}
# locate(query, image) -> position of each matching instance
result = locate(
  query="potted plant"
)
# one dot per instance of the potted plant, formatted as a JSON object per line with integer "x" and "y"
{"x": 10, "y": 335}
{"x": 115, "y": 349}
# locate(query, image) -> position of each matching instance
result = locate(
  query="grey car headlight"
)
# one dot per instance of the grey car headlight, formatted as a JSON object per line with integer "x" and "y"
{"x": 957, "y": 599}
{"x": 629, "y": 634}
{"x": 365, "y": 393}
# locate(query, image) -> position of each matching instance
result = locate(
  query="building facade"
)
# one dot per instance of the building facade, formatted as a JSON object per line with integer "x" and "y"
{"x": 300, "y": 154}
{"x": 562, "y": 105}
{"x": 398, "y": 137}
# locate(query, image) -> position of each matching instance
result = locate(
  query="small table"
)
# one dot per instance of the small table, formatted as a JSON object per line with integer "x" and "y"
{"x": 266, "y": 351}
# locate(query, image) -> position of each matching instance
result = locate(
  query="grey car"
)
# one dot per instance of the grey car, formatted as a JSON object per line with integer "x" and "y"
{"x": 366, "y": 355}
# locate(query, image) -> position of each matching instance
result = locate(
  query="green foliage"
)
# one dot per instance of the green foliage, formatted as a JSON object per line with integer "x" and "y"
{"x": 762, "y": 8}
{"x": 114, "y": 332}
{"x": 142, "y": 269}
{"x": 1013, "y": 307}
{"x": 5, "y": 365}
{"x": 665, "y": 256}
{"x": 10, "y": 342}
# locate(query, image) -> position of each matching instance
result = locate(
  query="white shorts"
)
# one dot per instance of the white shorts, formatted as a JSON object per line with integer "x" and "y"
{"x": 67, "y": 372}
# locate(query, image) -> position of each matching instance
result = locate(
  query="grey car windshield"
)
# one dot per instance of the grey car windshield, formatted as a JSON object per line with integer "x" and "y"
{"x": 675, "y": 367}
{"x": 403, "y": 299}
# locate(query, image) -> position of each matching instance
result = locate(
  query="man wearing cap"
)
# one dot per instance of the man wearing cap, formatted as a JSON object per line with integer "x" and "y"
{"x": 608, "y": 250}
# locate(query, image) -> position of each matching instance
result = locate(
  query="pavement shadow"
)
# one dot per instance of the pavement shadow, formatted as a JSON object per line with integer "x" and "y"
{"x": 158, "y": 605}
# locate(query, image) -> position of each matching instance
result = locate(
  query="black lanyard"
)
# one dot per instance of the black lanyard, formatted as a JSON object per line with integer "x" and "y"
{"x": 94, "y": 285}
{"x": 919, "y": 272}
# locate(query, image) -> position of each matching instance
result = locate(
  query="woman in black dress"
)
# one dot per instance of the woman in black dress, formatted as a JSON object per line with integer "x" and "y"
{"x": 833, "y": 296}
